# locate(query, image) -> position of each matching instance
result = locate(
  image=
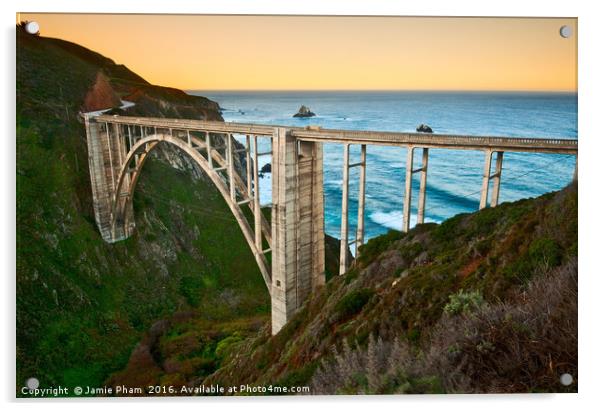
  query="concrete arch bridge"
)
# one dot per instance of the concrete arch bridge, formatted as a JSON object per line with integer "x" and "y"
{"x": 119, "y": 146}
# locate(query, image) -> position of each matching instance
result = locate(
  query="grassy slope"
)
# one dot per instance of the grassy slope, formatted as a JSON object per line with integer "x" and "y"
{"x": 484, "y": 302}
{"x": 82, "y": 304}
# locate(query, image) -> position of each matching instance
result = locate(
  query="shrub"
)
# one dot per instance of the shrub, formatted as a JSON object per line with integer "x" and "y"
{"x": 411, "y": 251}
{"x": 351, "y": 275}
{"x": 542, "y": 254}
{"x": 375, "y": 246}
{"x": 463, "y": 302}
{"x": 353, "y": 302}
{"x": 224, "y": 345}
{"x": 381, "y": 368}
{"x": 448, "y": 230}
{"x": 545, "y": 251}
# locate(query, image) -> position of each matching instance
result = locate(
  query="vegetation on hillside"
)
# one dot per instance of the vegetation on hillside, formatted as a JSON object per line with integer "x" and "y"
{"x": 82, "y": 304}
{"x": 484, "y": 302}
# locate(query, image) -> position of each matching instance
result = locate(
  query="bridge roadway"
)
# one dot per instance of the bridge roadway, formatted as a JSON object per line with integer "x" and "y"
{"x": 428, "y": 140}
{"x": 118, "y": 147}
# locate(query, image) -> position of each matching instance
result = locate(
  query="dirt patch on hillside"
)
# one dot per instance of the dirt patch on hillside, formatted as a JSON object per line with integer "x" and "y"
{"x": 101, "y": 95}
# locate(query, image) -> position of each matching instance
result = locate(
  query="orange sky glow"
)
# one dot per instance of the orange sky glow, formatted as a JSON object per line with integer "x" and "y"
{"x": 329, "y": 53}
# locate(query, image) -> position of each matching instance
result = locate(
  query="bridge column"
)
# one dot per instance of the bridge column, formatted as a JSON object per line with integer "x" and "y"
{"x": 497, "y": 179}
{"x": 230, "y": 166}
{"x": 106, "y": 151}
{"x": 310, "y": 231}
{"x": 248, "y": 161}
{"x": 485, "y": 184}
{"x": 361, "y": 202}
{"x": 343, "y": 263}
{"x": 124, "y": 224}
{"x": 422, "y": 194}
{"x": 297, "y": 224}
{"x": 407, "y": 202}
{"x": 256, "y": 197}
{"x": 209, "y": 152}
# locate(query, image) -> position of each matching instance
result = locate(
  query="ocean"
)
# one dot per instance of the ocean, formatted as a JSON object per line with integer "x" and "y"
{"x": 454, "y": 176}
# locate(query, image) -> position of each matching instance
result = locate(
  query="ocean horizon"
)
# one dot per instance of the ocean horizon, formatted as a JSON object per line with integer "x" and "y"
{"x": 454, "y": 177}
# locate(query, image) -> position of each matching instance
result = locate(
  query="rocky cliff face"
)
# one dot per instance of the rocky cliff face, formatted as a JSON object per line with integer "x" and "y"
{"x": 101, "y": 95}
{"x": 153, "y": 101}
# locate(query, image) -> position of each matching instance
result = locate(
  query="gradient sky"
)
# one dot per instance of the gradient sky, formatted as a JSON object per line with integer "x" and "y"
{"x": 337, "y": 53}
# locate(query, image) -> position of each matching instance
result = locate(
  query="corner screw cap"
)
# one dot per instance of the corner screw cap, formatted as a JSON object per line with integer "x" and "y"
{"x": 566, "y": 31}
{"x": 32, "y": 27}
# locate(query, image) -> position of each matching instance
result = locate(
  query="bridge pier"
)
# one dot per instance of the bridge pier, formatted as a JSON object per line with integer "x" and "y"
{"x": 407, "y": 202}
{"x": 297, "y": 224}
{"x": 496, "y": 177}
{"x": 422, "y": 193}
{"x": 344, "y": 243}
{"x": 361, "y": 202}
{"x": 106, "y": 151}
{"x": 361, "y": 206}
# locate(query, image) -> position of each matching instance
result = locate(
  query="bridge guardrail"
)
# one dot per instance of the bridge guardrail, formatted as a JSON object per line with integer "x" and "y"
{"x": 464, "y": 142}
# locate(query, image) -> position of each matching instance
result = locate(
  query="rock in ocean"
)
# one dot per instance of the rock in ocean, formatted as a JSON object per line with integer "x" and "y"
{"x": 304, "y": 112}
{"x": 423, "y": 128}
{"x": 267, "y": 168}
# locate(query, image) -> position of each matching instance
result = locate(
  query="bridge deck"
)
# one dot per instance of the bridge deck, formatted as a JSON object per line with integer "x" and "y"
{"x": 458, "y": 142}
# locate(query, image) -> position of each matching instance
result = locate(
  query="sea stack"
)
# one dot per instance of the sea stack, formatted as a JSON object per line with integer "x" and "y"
{"x": 304, "y": 112}
{"x": 266, "y": 169}
{"x": 423, "y": 128}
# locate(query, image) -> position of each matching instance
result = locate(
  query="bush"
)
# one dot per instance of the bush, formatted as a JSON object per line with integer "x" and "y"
{"x": 224, "y": 345}
{"x": 381, "y": 368}
{"x": 463, "y": 302}
{"x": 448, "y": 230}
{"x": 542, "y": 254}
{"x": 545, "y": 251}
{"x": 375, "y": 246}
{"x": 353, "y": 302}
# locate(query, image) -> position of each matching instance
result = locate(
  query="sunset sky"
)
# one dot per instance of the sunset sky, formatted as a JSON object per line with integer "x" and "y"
{"x": 336, "y": 53}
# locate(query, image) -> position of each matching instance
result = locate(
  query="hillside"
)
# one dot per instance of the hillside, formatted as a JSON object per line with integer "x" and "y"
{"x": 83, "y": 305}
{"x": 485, "y": 302}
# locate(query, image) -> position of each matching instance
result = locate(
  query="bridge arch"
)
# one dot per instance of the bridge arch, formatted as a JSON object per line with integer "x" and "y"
{"x": 128, "y": 176}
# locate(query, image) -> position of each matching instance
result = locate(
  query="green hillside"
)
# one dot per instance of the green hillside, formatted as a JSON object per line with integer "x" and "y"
{"x": 484, "y": 302}
{"x": 82, "y": 304}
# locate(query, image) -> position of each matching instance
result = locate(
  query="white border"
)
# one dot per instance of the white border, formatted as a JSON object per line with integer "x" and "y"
{"x": 590, "y": 137}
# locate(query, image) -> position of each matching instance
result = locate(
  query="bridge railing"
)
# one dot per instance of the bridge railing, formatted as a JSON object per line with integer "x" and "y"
{"x": 462, "y": 142}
